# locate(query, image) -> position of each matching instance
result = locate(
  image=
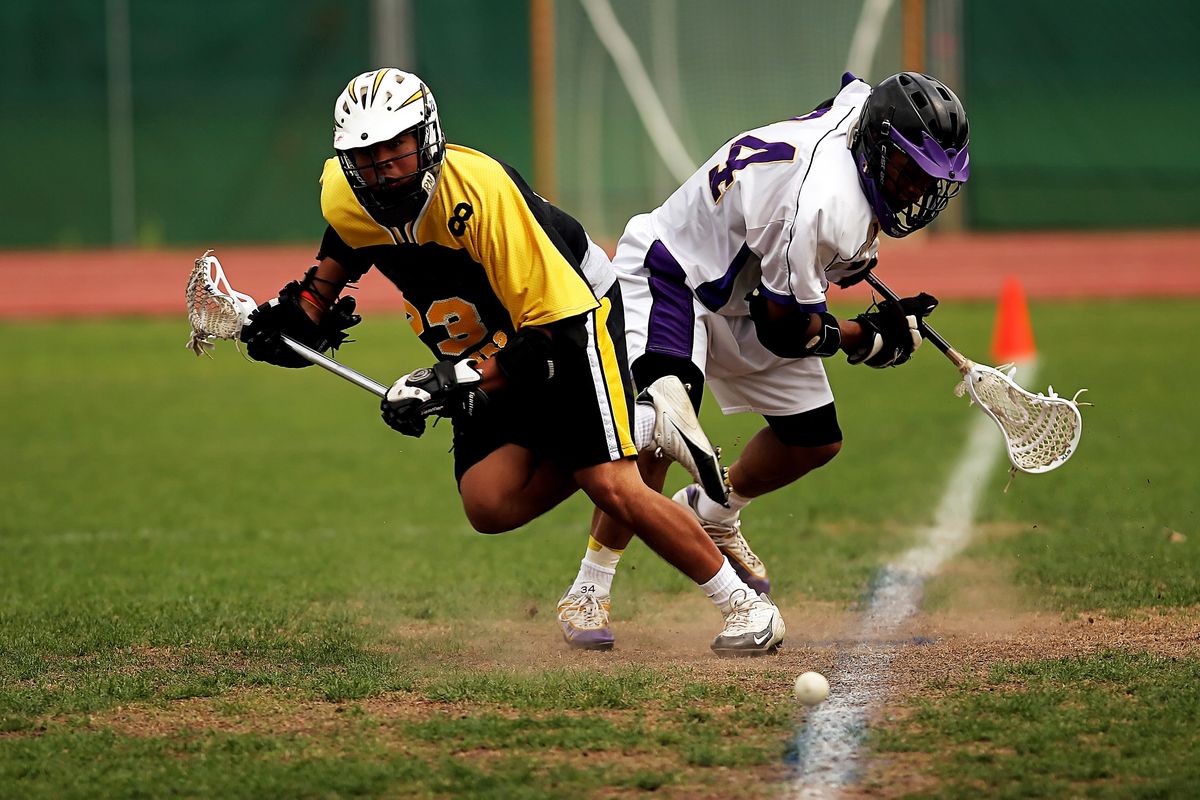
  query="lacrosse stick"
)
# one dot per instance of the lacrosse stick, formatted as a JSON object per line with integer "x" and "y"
{"x": 1040, "y": 431}
{"x": 217, "y": 311}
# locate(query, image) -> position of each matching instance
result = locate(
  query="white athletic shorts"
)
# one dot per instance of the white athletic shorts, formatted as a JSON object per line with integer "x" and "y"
{"x": 662, "y": 315}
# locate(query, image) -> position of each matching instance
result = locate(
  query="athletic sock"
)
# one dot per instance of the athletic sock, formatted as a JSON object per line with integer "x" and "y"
{"x": 598, "y": 567}
{"x": 644, "y": 417}
{"x": 715, "y": 512}
{"x": 722, "y": 587}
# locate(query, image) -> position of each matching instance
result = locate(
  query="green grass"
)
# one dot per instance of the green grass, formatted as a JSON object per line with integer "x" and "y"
{"x": 1114, "y": 724}
{"x": 175, "y": 528}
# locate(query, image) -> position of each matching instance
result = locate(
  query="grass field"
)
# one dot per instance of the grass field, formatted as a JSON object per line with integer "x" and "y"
{"x": 223, "y": 579}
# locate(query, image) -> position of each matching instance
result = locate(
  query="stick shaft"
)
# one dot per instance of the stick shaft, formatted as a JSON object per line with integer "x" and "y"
{"x": 926, "y": 331}
{"x": 341, "y": 370}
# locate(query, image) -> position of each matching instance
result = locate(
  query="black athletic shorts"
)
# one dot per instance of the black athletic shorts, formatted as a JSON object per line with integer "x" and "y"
{"x": 580, "y": 418}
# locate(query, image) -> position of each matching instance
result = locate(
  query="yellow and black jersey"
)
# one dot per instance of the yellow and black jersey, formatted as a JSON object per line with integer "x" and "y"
{"x": 486, "y": 257}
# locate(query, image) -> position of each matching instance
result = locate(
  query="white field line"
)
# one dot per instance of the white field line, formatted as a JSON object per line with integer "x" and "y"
{"x": 827, "y": 745}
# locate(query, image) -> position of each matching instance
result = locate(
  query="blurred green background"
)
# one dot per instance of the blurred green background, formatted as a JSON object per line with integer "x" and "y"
{"x": 152, "y": 123}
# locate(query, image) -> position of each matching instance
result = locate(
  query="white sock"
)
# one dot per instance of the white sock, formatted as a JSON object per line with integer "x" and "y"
{"x": 716, "y": 512}
{"x": 643, "y": 425}
{"x": 722, "y": 587}
{"x": 597, "y": 568}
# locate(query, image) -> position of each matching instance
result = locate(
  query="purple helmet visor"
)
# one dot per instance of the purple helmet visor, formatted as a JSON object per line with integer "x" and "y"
{"x": 952, "y": 165}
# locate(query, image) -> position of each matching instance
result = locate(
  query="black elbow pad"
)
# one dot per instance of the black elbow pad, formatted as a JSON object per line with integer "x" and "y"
{"x": 788, "y": 337}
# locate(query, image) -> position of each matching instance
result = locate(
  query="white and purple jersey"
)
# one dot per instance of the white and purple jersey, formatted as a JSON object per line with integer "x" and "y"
{"x": 777, "y": 208}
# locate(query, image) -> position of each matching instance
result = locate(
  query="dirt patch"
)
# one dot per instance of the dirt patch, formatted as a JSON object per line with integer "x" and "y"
{"x": 967, "y": 646}
{"x": 675, "y": 633}
{"x": 935, "y": 650}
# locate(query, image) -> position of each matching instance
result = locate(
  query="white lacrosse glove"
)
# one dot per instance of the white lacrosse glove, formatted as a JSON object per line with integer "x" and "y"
{"x": 448, "y": 389}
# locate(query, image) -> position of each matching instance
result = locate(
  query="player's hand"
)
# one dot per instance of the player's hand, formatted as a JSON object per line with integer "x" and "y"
{"x": 283, "y": 316}
{"x": 448, "y": 389}
{"x": 892, "y": 331}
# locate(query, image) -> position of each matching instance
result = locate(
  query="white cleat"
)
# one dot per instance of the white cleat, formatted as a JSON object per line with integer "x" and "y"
{"x": 729, "y": 540}
{"x": 753, "y": 627}
{"x": 678, "y": 436}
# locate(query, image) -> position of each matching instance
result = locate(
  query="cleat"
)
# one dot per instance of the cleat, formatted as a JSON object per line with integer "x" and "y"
{"x": 584, "y": 620}
{"x": 753, "y": 627}
{"x": 678, "y": 436}
{"x": 729, "y": 540}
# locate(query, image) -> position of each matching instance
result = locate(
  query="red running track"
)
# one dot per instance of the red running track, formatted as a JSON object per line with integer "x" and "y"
{"x": 48, "y": 284}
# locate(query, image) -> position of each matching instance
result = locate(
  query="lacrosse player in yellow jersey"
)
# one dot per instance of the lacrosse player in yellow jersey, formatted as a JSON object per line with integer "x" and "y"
{"x": 524, "y": 317}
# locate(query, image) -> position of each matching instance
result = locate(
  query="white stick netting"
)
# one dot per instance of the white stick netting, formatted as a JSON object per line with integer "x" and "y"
{"x": 1041, "y": 431}
{"x": 215, "y": 309}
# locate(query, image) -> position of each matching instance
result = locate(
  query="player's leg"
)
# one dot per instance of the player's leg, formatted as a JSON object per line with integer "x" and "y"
{"x": 504, "y": 478}
{"x": 510, "y": 487}
{"x": 780, "y": 454}
{"x": 802, "y": 434}
{"x": 599, "y": 449}
{"x": 663, "y": 318}
{"x": 609, "y": 538}
{"x": 753, "y": 625}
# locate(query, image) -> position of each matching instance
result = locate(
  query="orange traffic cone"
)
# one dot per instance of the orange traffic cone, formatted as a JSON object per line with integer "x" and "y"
{"x": 1012, "y": 338}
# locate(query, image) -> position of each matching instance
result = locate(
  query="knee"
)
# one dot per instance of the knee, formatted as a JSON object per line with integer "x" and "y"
{"x": 608, "y": 492}
{"x": 823, "y": 454}
{"x": 489, "y": 514}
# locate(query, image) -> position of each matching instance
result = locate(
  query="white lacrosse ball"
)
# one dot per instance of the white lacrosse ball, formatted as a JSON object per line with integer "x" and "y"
{"x": 811, "y": 688}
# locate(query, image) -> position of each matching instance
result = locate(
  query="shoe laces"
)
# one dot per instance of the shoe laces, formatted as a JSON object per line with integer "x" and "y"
{"x": 584, "y": 610}
{"x": 729, "y": 537}
{"x": 739, "y": 620}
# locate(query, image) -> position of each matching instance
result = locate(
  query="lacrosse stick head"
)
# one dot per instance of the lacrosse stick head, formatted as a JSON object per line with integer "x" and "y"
{"x": 1041, "y": 431}
{"x": 215, "y": 309}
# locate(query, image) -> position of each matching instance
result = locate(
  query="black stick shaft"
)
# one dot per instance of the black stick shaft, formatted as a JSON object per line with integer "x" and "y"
{"x": 926, "y": 331}
{"x": 957, "y": 358}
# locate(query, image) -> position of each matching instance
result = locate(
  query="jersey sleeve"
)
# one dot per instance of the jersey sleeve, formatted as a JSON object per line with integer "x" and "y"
{"x": 790, "y": 271}
{"x": 487, "y": 213}
{"x": 333, "y": 246}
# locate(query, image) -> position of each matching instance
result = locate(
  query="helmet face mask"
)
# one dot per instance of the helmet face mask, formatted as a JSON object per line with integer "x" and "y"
{"x": 911, "y": 148}
{"x": 389, "y": 143}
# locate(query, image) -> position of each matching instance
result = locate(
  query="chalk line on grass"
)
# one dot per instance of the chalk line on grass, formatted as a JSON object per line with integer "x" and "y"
{"x": 827, "y": 745}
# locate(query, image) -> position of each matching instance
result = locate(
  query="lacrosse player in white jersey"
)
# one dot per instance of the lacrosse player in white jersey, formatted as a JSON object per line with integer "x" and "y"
{"x": 726, "y": 282}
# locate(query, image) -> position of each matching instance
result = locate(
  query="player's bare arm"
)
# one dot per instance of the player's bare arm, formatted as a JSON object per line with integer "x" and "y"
{"x": 325, "y": 285}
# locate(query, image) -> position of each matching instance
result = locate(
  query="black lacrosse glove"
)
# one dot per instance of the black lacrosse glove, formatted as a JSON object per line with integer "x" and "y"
{"x": 448, "y": 389}
{"x": 283, "y": 316}
{"x": 892, "y": 331}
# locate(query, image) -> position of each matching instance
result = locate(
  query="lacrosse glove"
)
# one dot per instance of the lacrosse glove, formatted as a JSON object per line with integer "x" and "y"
{"x": 892, "y": 331}
{"x": 283, "y": 316}
{"x": 448, "y": 389}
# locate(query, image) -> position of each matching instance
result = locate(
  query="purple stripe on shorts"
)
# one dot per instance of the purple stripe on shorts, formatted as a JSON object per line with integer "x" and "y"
{"x": 671, "y": 313}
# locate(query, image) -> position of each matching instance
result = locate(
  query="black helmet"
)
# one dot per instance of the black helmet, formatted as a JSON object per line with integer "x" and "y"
{"x": 911, "y": 148}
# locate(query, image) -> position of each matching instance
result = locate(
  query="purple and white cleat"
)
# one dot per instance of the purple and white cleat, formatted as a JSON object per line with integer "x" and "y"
{"x": 727, "y": 536}
{"x": 583, "y": 616}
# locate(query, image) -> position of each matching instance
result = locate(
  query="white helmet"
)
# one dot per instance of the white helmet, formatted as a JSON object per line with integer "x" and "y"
{"x": 376, "y": 107}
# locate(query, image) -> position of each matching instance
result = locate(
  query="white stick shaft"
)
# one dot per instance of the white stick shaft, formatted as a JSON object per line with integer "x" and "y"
{"x": 341, "y": 370}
